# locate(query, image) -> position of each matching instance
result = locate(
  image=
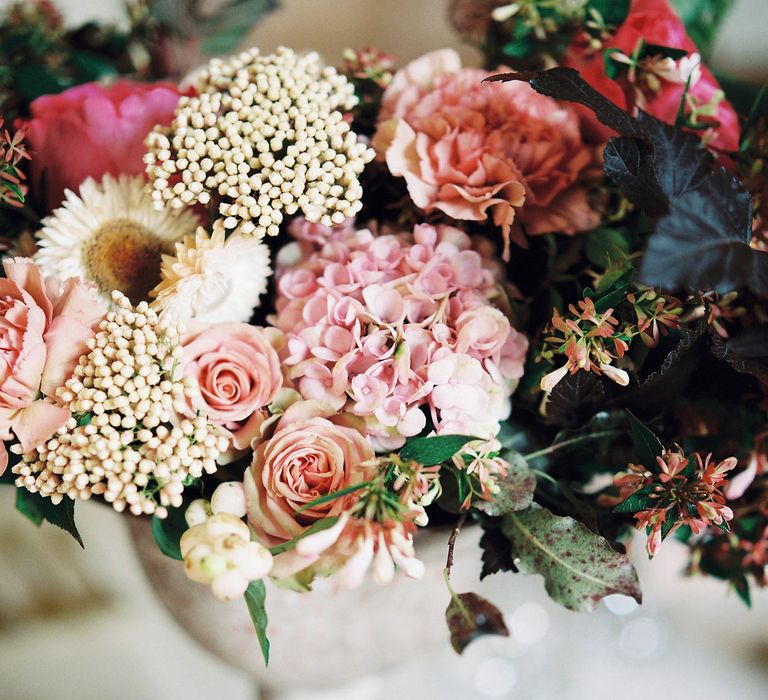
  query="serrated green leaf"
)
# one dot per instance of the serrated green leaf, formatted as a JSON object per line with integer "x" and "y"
{"x": 647, "y": 445}
{"x": 38, "y": 508}
{"x": 255, "y": 598}
{"x": 515, "y": 490}
{"x": 433, "y": 450}
{"x": 579, "y": 567}
{"x": 168, "y": 531}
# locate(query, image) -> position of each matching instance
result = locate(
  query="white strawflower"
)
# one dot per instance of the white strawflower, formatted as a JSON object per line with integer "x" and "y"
{"x": 212, "y": 279}
{"x": 264, "y": 137}
{"x": 111, "y": 234}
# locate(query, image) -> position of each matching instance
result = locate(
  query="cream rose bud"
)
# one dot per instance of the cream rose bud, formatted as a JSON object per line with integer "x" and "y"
{"x": 218, "y": 552}
{"x": 198, "y": 512}
{"x": 229, "y": 497}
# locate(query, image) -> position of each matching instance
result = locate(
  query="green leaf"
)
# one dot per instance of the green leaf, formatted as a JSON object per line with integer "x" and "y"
{"x": 168, "y": 531}
{"x": 255, "y": 597}
{"x": 613, "y": 12}
{"x": 433, "y": 450}
{"x": 605, "y": 245}
{"x": 579, "y": 567}
{"x": 470, "y": 616}
{"x": 317, "y": 526}
{"x": 515, "y": 491}
{"x": 647, "y": 445}
{"x": 702, "y": 18}
{"x": 639, "y": 500}
{"x": 741, "y": 586}
{"x": 38, "y": 508}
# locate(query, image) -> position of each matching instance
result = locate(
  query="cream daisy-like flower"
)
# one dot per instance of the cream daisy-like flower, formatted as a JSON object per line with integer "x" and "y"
{"x": 111, "y": 234}
{"x": 212, "y": 279}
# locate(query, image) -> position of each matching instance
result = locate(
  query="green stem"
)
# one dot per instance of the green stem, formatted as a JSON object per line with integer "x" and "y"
{"x": 566, "y": 443}
{"x": 455, "y": 597}
{"x": 547, "y": 477}
{"x": 333, "y": 496}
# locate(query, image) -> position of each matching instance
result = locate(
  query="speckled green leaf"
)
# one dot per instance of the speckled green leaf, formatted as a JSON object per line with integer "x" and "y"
{"x": 579, "y": 567}
{"x": 515, "y": 491}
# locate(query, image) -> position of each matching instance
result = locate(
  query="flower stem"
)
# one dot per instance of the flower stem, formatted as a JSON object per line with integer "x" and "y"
{"x": 567, "y": 443}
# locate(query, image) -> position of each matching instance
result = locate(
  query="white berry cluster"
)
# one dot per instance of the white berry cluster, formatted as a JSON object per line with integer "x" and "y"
{"x": 217, "y": 549}
{"x": 125, "y": 440}
{"x": 265, "y": 136}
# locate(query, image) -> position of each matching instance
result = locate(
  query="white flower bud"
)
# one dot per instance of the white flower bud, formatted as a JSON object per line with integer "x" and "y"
{"x": 229, "y": 497}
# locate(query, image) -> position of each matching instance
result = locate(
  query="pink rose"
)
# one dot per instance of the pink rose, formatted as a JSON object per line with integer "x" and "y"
{"x": 92, "y": 129}
{"x": 238, "y": 373}
{"x": 312, "y": 452}
{"x": 654, "y": 22}
{"x": 470, "y": 148}
{"x": 44, "y": 327}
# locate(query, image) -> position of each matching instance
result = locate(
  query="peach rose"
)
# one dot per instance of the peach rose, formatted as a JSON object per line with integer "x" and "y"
{"x": 312, "y": 452}
{"x": 466, "y": 148}
{"x": 44, "y": 327}
{"x": 238, "y": 373}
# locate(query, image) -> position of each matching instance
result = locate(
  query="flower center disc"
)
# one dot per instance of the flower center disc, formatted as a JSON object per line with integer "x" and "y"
{"x": 125, "y": 255}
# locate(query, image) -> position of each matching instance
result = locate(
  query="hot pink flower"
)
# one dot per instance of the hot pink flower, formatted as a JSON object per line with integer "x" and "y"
{"x": 92, "y": 129}
{"x": 469, "y": 148}
{"x": 44, "y": 327}
{"x": 384, "y": 320}
{"x": 238, "y": 373}
{"x": 657, "y": 87}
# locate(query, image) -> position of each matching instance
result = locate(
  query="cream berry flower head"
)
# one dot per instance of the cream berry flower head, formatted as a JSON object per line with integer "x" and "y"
{"x": 212, "y": 279}
{"x": 126, "y": 439}
{"x": 112, "y": 235}
{"x": 264, "y": 137}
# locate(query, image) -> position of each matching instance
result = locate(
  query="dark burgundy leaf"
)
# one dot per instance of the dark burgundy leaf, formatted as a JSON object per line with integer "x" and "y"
{"x": 627, "y": 162}
{"x": 497, "y": 552}
{"x": 574, "y": 397}
{"x": 470, "y": 616}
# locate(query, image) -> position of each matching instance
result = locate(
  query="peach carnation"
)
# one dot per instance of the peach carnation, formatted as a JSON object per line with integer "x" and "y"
{"x": 44, "y": 327}
{"x": 470, "y": 148}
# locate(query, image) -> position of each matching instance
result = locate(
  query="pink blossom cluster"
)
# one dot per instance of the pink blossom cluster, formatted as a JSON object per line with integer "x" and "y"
{"x": 393, "y": 328}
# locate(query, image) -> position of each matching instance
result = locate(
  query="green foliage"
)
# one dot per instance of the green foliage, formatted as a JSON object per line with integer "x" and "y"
{"x": 613, "y": 12}
{"x": 579, "y": 567}
{"x": 255, "y": 598}
{"x": 317, "y": 526}
{"x": 470, "y": 616}
{"x": 168, "y": 531}
{"x": 38, "y": 508}
{"x": 702, "y": 19}
{"x": 433, "y": 450}
{"x": 515, "y": 491}
{"x": 647, "y": 445}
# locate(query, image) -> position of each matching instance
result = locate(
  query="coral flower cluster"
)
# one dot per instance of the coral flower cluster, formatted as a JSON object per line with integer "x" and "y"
{"x": 385, "y": 326}
{"x": 125, "y": 440}
{"x": 680, "y": 492}
{"x": 264, "y": 137}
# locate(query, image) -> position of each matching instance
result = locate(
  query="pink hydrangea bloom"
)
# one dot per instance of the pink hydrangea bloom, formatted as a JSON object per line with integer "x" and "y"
{"x": 470, "y": 148}
{"x": 394, "y": 327}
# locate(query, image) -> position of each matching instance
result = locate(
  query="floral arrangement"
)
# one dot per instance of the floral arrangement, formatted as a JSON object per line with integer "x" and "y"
{"x": 296, "y": 314}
